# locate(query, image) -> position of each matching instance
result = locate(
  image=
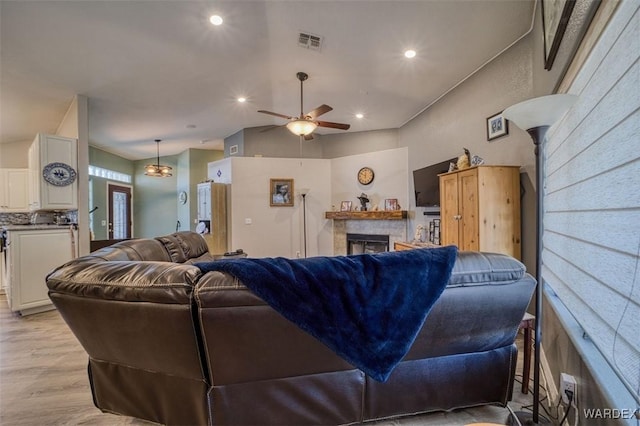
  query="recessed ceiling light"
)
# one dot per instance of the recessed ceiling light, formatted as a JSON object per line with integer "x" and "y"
{"x": 359, "y": 115}
{"x": 241, "y": 99}
{"x": 216, "y": 20}
{"x": 410, "y": 53}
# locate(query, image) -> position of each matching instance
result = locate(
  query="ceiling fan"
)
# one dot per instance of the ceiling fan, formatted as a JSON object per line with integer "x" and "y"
{"x": 305, "y": 124}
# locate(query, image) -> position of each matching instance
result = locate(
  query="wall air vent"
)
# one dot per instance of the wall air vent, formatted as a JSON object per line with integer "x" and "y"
{"x": 309, "y": 41}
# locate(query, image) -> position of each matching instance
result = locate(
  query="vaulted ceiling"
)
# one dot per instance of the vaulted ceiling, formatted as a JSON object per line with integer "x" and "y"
{"x": 161, "y": 70}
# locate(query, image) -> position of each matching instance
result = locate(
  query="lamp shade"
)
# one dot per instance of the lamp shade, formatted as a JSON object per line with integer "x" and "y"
{"x": 301, "y": 127}
{"x": 542, "y": 111}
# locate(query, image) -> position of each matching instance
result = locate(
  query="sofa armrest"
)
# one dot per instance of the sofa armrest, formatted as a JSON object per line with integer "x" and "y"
{"x": 480, "y": 309}
{"x": 133, "y": 281}
{"x": 131, "y": 313}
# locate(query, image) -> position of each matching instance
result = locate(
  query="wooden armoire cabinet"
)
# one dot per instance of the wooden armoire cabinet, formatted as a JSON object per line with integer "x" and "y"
{"x": 480, "y": 209}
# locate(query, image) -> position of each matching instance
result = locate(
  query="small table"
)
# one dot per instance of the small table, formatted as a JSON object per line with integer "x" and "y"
{"x": 528, "y": 324}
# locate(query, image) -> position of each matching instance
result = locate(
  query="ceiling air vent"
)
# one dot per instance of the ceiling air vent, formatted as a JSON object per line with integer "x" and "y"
{"x": 309, "y": 41}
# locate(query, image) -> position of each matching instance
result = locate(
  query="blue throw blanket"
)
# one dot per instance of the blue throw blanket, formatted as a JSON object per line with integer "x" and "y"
{"x": 367, "y": 308}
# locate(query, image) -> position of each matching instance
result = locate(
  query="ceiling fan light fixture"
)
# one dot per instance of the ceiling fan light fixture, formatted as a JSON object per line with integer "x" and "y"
{"x": 158, "y": 170}
{"x": 301, "y": 127}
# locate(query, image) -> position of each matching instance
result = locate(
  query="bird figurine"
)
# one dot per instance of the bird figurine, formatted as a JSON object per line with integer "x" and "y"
{"x": 464, "y": 161}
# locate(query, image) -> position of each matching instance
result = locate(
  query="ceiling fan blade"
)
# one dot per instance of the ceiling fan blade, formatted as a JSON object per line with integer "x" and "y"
{"x": 332, "y": 125}
{"x": 276, "y": 114}
{"x": 322, "y": 109}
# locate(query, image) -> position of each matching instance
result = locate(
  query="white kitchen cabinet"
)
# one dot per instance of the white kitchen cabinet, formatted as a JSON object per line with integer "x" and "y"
{"x": 212, "y": 211}
{"x": 31, "y": 255}
{"x": 14, "y": 190}
{"x": 57, "y": 158}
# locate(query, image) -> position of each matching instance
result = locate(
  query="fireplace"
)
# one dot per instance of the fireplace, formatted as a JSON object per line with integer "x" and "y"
{"x": 367, "y": 243}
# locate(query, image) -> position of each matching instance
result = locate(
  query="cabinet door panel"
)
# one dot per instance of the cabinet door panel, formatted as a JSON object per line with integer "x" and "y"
{"x": 449, "y": 222}
{"x": 468, "y": 205}
{"x": 33, "y": 254}
{"x": 44, "y": 150}
{"x": 500, "y": 210}
{"x": 14, "y": 190}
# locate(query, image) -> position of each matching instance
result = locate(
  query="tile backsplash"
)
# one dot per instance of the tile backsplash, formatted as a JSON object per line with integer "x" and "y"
{"x": 14, "y": 218}
{"x": 25, "y": 218}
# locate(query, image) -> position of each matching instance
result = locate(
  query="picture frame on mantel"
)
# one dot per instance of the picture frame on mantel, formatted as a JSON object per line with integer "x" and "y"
{"x": 391, "y": 204}
{"x": 345, "y": 206}
{"x": 497, "y": 126}
{"x": 555, "y": 18}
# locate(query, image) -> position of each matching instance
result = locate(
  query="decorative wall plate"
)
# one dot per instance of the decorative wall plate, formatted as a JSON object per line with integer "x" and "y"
{"x": 59, "y": 174}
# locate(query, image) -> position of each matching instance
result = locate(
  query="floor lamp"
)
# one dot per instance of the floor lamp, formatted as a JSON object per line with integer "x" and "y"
{"x": 303, "y": 193}
{"x": 536, "y": 116}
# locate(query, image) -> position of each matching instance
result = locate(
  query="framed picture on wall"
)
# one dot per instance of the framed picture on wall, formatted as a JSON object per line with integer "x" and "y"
{"x": 281, "y": 192}
{"x": 555, "y": 17}
{"x": 345, "y": 206}
{"x": 497, "y": 126}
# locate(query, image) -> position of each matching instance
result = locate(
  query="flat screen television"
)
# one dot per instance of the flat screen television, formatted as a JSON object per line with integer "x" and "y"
{"x": 426, "y": 183}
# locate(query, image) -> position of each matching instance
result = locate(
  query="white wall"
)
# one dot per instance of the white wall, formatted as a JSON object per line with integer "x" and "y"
{"x": 14, "y": 155}
{"x": 277, "y": 231}
{"x": 390, "y": 181}
{"x": 220, "y": 171}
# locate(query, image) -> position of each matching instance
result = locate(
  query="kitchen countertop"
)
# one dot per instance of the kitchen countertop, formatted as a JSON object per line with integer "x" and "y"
{"x": 39, "y": 227}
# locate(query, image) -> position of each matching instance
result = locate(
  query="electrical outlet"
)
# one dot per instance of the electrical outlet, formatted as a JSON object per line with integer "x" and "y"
{"x": 298, "y": 254}
{"x": 567, "y": 383}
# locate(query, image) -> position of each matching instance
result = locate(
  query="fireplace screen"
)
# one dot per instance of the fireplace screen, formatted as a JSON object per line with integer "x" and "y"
{"x": 367, "y": 243}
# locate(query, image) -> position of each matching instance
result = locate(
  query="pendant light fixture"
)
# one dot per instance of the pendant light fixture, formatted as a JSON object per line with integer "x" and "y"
{"x": 157, "y": 170}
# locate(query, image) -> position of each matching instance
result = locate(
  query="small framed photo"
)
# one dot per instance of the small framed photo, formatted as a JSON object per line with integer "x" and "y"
{"x": 391, "y": 204}
{"x": 345, "y": 206}
{"x": 497, "y": 126}
{"x": 281, "y": 192}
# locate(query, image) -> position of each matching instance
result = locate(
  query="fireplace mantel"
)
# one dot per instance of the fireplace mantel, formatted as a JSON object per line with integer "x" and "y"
{"x": 368, "y": 215}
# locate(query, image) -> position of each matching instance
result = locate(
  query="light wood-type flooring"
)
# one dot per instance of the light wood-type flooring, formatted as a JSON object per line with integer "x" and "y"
{"x": 43, "y": 380}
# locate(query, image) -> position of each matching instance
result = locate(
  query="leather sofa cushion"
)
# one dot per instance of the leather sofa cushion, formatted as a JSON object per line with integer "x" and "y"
{"x": 137, "y": 249}
{"x": 182, "y": 246}
{"x": 475, "y": 268}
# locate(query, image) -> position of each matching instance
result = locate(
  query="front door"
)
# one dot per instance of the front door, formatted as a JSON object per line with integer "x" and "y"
{"x": 119, "y": 212}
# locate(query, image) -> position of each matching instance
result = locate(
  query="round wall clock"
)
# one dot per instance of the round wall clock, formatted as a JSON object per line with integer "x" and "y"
{"x": 182, "y": 197}
{"x": 59, "y": 174}
{"x": 365, "y": 175}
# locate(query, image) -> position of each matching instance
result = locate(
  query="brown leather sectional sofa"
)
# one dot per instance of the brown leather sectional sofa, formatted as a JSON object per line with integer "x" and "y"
{"x": 172, "y": 345}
